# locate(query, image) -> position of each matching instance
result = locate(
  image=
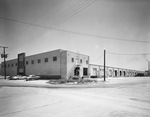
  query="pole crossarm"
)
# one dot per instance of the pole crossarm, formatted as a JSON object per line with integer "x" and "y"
{"x": 3, "y": 47}
{"x": 4, "y": 55}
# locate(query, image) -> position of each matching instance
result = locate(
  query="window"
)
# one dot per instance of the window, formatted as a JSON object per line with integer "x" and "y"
{"x": 46, "y": 59}
{"x": 80, "y": 60}
{"x": 32, "y": 62}
{"x": 8, "y": 65}
{"x": 27, "y": 63}
{"x": 12, "y": 64}
{"x": 72, "y": 59}
{"x": 39, "y": 60}
{"x": 16, "y": 64}
{"x": 55, "y": 58}
{"x": 86, "y": 61}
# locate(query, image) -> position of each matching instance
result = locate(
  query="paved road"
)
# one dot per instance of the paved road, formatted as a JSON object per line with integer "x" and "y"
{"x": 115, "y": 98}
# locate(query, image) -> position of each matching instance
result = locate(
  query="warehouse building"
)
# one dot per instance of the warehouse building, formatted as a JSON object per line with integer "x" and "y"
{"x": 61, "y": 64}
{"x": 98, "y": 71}
{"x": 53, "y": 64}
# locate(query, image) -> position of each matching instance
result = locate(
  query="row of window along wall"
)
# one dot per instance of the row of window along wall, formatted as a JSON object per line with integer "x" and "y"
{"x": 40, "y": 60}
{"x": 32, "y": 62}
{"x": 78, "y": 61}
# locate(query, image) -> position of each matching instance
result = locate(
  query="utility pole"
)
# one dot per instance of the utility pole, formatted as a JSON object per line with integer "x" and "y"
{"x": 4, "y": 56}
{"x": 104, "y": 63}
{"x": 148, "y": 68}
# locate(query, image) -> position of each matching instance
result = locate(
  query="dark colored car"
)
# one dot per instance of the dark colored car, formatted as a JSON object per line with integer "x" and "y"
{"x": 139, "y": 75}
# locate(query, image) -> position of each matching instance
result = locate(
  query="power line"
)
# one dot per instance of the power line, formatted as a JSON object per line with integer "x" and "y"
{"x": 37, "y": 19}
{"x": 73, "y": 32}
{"x": 4, "y": 55}
{"x": 51, "y": 19}
{"x": 67, "y": 15}
{"x": 98, "y": 58}
{"x": 99, "y": 36}
{"x": 127, "y": 54}
{"x": 73, "y": 11}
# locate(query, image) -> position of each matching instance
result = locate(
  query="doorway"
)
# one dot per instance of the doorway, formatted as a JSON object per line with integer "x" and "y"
{"x": 115, "y": 73}
{"x": 77, "y": 71}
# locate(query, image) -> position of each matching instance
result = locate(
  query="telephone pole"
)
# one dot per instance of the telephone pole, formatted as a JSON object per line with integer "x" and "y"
{"x": 148, "y": 68}
{"x": 104, "y": 64}
{"x": 4, "y": 55}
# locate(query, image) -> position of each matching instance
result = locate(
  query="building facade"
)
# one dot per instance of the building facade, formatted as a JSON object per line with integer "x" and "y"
{"x": 61, "y": 64}
{"x": 98, "y": 71}
{"x": 54, "y": 64}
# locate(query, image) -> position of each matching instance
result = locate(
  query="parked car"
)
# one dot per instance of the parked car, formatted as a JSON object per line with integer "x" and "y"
{"x": 32, "y": 77}
{"x": 14, "y": 77}
{"x": 22, "y": 77}
{"x": 3, "y": 77}
{"x": 17, "y": 77}
{"x": 139, "y": 75}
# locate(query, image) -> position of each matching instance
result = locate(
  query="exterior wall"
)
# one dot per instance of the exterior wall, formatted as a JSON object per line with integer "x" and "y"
{"x": 62, "y": 67}
{"x": 101, "y": 71}
{"x": 44, "y": 68}
{"x": 95, "y": 70}
{"x": 63, "y": 64}
{"x": 71, "y": 65}
{"x": 98, "y": 71}
{"x": 116, "y": 73}
{"x": 110, "y": 72}
{"x": 11, "y": 67}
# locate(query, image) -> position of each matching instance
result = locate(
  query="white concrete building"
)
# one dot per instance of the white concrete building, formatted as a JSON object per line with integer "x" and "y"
{"x": 98, "y": 71}
{"x": 61, "y": 64}
{"x": 53, "y": 64}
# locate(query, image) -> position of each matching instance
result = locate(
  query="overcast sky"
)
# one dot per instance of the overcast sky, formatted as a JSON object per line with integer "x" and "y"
{"x": 84, "y": 26}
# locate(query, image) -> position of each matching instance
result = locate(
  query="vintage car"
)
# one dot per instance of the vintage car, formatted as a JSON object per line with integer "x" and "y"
{"x": 32, "y": 77}
{"x": 18, "y": 77}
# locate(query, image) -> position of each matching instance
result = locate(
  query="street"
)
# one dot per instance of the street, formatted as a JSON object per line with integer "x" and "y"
{"x": 124, "y": 97}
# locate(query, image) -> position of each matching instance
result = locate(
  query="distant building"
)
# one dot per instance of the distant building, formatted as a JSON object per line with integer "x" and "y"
{"x": 61, "y": 64}
{"x": 98, "y": 71}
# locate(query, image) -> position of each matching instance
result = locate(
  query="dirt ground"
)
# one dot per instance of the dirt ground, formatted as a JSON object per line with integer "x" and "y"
{"x": 117, "y": 97}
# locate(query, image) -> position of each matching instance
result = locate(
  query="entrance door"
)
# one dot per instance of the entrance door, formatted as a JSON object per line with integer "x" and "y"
{"x": 85, "y": 71}
{"x": 77, "y": 71}
{"x": 124, "y": 73}
{"x": 120, "y": 73}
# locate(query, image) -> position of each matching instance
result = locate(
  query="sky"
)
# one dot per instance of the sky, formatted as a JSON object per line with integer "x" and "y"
{"x": 121, "y": 27}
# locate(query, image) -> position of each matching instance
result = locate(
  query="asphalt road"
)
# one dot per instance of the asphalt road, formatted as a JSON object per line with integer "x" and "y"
{"x": 124, "y": 97}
